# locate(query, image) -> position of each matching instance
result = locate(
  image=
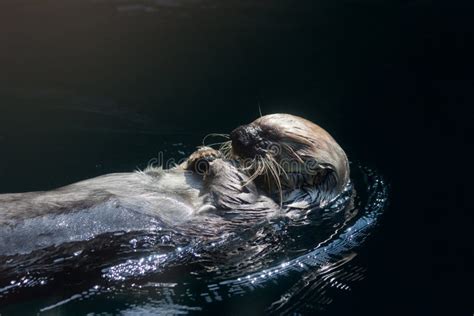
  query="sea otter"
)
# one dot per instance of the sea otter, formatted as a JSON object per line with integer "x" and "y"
{"x": 210, "y": 193}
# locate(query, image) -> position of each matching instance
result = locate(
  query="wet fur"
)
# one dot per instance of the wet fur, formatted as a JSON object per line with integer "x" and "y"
{"x": 226, "y": 198}
{"x": 197, "y": 204}
{"x": 271, "y": 143}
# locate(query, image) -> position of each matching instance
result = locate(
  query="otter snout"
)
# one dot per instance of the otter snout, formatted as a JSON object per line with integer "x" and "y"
{"x": 244, "y": 138}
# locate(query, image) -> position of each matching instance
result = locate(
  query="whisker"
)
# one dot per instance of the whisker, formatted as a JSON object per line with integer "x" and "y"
{"x": 279, "y": 166}
{"x": 214, "y": 135}
{"x": 259, "y": 170}
{"x": 225, "y": 149}
{"x": 295, "y": 155}
{"x": 250, "y": 165}
{"x": 276, "y": 177}
{"x": 213, "y": 144}
{"x": 267, "y": 175}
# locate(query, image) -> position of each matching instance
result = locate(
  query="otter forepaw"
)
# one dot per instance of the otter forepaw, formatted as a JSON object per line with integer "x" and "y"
{"x": 199, "y": 160}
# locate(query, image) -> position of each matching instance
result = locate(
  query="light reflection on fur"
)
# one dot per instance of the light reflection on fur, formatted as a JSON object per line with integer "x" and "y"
{"x": 299, "y": 258}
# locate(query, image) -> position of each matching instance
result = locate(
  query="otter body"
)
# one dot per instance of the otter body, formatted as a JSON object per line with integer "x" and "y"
{"x": 81, "y": 211}
{"x": 122, "y": 202}
{"x": 119, "y": 190}
{"x": 236, "y": 188}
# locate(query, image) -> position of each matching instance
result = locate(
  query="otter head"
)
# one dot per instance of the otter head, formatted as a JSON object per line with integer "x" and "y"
{"x": 288, "y": 152}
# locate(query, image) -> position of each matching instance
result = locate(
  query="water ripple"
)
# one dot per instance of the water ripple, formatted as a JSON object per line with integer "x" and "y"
{"x": 292, "y": 260}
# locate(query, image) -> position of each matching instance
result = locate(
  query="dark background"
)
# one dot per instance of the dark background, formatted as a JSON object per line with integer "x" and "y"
{"x": 89, "y": 87}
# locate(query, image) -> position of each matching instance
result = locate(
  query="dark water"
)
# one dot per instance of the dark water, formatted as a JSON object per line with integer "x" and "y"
{"x": 92, "y": 87}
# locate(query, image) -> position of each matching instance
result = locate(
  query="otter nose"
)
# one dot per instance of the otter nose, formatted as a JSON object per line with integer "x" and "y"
{"x": 243, "y": 140}
{"x": 239, "y": 136}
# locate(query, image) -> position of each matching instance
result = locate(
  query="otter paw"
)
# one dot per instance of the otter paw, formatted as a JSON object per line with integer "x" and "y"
{"x": 199, "y": 160}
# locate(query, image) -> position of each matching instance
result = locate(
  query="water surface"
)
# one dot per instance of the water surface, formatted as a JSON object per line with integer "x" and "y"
{"x": 89, "y": 87}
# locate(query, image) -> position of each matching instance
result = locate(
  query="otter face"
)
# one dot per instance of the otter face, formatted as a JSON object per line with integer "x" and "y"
{"x": 276, "y": 144}
{"x": 249, "y": 141}
{"x": 289, "y": 152}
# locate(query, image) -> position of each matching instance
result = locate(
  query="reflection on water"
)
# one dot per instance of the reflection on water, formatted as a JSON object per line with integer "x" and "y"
{"x": 292, "y": 264}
